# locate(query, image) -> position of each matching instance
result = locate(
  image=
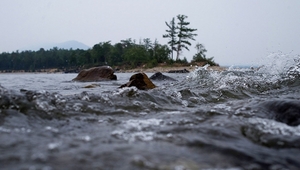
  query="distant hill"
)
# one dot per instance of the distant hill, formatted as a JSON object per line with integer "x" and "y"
{"x": 72, "y": 44}
{"x": 64, "y": 45}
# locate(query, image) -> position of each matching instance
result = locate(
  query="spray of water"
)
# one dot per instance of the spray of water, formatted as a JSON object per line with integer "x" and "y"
{"x": 274, "y": 72}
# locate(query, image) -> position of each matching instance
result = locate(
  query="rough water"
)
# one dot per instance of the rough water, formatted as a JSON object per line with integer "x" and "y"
{"x": 236, "y": 119}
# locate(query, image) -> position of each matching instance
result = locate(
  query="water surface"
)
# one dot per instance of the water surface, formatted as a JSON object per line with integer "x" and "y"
{"x": 235, "y": 119}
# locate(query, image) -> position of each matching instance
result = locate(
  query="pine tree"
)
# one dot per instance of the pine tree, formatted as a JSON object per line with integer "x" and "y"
{"x": 184, "y": 35}
{"x": 171, "y": 34}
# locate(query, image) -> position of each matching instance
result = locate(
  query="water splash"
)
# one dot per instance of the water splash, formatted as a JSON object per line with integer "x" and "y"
{"x": 276, "y": 71}
{"x": 277, "y": 64}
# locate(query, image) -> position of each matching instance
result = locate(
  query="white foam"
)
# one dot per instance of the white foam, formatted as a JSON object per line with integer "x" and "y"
{"x": 273, "y": 127}
{"x": 133, "y": 129}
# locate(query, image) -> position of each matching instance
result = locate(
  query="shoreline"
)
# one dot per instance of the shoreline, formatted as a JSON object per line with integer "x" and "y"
{"x": 162, "y": 69}
{"x": 167, "y": 69}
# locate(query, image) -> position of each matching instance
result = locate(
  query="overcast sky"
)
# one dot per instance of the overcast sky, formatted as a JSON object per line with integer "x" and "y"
{"x": 235, "y": 32}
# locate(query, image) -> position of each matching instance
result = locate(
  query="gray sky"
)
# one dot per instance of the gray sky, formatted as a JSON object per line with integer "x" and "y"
{"x": 234, "y": 32}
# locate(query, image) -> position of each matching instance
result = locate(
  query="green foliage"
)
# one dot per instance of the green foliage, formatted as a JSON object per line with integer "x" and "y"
{"x": 171, "y": 35}
{"x": 100, "y": 52}
{"x": 125, "y": 53}
{"x": 152, "y": 63}
{"x": 201, "y": 57}
{"x": 183, "y": 61}
{"x": 136, "y": 56}
{"x": 115, "y": 55}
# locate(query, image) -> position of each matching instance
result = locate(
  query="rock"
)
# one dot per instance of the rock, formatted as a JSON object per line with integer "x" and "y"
{"x": 179, "y": 71}
{"x": 141, "y": 81}
{"x": 96, "y": 74}
{"x": 92, "y": 86}
{"x": 159, "y": 76}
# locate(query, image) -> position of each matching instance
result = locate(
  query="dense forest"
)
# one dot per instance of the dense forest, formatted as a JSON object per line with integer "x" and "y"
{"x": 126, "y": 54}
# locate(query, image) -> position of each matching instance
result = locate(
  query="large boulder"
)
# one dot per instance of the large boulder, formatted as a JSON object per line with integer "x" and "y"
{"x": 141, "y": 81}
{"x": 159, "y": 76}
{"x": 96, "y": 74}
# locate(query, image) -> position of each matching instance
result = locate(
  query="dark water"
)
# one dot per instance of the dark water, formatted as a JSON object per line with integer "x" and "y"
{"x": 235, "y": 119}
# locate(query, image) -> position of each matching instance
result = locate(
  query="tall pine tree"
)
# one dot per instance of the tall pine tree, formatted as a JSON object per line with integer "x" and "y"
{"x": 184, "y": 35}
{"x": 171, "y": 34}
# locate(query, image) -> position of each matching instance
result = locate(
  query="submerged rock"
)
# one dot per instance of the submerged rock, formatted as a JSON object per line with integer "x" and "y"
{"x": 96, "y": 74}
{"x": 179, "y": 71}
{"x": 160, "y": 76}
{"x": 141, "y": 81}
{"x": 92, "y": 86}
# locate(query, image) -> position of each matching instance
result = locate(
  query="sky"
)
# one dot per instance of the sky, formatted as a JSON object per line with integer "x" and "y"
{"x": 234, "y": 32}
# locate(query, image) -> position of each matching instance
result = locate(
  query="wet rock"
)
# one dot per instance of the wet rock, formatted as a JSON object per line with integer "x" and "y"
{"x": 159, "y": 76}
{"x": 92, "y": 86}
{"x": 140, "y": 81}
{"x": 179, "y": 71}
{"x": 96, "y": 74}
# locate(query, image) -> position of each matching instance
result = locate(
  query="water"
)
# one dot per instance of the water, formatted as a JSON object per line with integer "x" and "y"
{"x": 234, "y": 120}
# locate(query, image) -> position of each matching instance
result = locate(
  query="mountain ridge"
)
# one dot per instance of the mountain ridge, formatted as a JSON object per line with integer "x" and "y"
{"x": 64, "y": 45}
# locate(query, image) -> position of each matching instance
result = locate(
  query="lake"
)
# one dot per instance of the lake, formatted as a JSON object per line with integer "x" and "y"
{"x": 236, "y": 119}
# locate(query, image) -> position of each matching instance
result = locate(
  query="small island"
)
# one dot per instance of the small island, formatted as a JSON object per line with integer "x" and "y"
{"x": 144, "y": 55}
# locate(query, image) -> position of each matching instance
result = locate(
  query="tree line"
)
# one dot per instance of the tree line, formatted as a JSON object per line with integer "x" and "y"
{"x": 127, "y": 53}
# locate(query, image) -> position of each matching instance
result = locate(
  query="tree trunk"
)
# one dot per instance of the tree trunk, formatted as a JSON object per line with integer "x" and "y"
{"x": 178, "y": 52}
